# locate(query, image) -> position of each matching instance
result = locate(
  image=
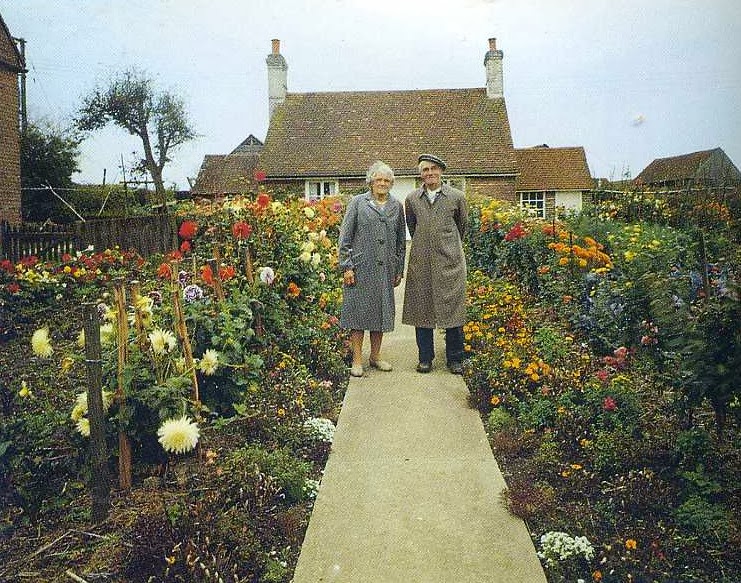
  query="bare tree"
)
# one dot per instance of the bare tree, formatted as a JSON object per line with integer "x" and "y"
{"x": 131, "y": 102}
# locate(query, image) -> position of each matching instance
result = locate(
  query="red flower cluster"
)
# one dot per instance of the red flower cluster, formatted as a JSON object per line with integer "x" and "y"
{"x": 188, "y": 230}
{"x": 516, "y": 232}
{"x": 241, "y": 230}
{"x": 609, "y": 404}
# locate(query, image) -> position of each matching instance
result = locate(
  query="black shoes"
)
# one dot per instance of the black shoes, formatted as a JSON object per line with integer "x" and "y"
{"x": 424, "y": 367}
{"x": 455, "y": 367}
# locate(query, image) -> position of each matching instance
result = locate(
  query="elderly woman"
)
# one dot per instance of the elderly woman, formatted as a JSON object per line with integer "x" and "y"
{"x": 372, "y": 250}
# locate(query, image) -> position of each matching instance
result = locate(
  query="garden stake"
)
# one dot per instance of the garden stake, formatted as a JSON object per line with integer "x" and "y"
{"x": 122, "y": 332}
{"x": 248, "y": 270}
{"x": 182, "y": 331}
{"x": 141, "y": 336}
{"x": 100, "y": 486}
{"x": 218, "y": 288}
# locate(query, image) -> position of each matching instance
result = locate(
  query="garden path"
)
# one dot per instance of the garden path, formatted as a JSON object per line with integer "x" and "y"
{"x": 411, "y": 490}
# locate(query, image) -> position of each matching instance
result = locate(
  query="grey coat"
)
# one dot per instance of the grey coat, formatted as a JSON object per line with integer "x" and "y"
{"x": 435, "y": 294}
{"x": 373, "y": 244}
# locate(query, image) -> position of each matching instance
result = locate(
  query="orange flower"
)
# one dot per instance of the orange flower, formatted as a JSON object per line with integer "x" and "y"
{"x": 226, "y": 272}
{"x": 495, "y": 400}
{"x": 293, "y": 290}
{"x": 631, "y": 544}
{"x": 207, "y": 274}
{"x": 164, "y": 271}
{"x": 263, "y": 200}
{"x": 597, "y": 576}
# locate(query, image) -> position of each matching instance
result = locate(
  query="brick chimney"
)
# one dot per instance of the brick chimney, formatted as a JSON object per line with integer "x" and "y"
{"x": 494, "y": 76}
{"x": 277, "y": 77}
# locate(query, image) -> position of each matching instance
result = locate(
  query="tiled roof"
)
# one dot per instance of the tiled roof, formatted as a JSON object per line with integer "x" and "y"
{"x": 675, "y": 168}
{"x": 544, "y": 168}
{"x": 341, "y": 134}
{"x": 9, "y": 56}
{"x": 225, "y": 174}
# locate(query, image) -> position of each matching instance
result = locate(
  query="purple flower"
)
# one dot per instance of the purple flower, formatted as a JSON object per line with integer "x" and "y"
{"x": 156, "y": 297}
{"x": 192, "y": 293}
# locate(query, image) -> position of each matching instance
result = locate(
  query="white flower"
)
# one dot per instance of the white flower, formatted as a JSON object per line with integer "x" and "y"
{"x": 267, "y": 275}
{"x": 209, "y": 362}
{"x": 320, "y": 429}
{"x": 559, "y": 546}
{"x": 309, "y": 212}
{"x": 311, "y": 487}
{"x": 80, "y": 409}
{"x": 162, "y": 340}
{"x": 308, "y": 246}
{"x": 178, "y": 435}
{"x": 316, "y": 258}
{"x": 40, "y": 343}
{"x": 305, "y": 257}
{"x": 83, "y": 426}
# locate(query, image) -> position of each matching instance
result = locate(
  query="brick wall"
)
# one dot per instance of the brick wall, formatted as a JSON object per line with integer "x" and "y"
{"x": 492, "y": 187}
{"x": 10, "y": 169}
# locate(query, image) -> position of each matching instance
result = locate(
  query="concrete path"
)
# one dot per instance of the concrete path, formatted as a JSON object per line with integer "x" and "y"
{"x": 411, "y": 490}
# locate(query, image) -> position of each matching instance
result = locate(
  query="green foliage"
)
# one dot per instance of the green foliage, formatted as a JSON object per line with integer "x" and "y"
{"x": 252, "y": 463}
{"x": 48, "y": 158}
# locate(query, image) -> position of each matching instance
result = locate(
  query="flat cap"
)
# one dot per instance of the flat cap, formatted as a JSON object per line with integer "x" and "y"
{"x": 434, "y": 159}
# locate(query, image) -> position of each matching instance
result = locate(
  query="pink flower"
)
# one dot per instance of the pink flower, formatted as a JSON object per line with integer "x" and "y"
{"x": 609, "y": 404}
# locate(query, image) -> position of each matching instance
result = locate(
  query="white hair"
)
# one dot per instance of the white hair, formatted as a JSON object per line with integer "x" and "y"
{"x": 377, "y": 168}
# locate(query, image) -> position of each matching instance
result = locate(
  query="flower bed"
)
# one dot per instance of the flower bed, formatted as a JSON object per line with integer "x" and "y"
{"x": 231, "y": 379}
{"x": 607, "y": 429}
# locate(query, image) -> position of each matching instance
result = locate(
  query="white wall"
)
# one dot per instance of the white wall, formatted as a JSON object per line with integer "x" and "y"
{"x": 570, "y": 200}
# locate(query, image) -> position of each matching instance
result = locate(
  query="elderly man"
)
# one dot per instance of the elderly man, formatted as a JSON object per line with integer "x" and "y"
{"x": 435, "y": 294}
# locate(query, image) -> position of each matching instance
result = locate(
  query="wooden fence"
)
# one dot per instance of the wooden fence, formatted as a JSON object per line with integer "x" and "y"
{"x": 145, "y": 234}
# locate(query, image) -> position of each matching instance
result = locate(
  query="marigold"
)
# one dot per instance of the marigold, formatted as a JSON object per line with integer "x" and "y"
{"x": 631, "y": 544}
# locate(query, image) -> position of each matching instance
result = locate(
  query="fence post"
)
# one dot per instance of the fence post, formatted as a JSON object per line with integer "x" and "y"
{"x": 100, "y": 485}
{"x": 122, "y": 335}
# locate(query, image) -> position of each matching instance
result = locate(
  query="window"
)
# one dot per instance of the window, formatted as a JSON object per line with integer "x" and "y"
{"x": 533, "y": 202}
{"x": 318, "y": 190}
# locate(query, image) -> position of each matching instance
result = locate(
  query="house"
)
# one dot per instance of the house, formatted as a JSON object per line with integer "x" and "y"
{"x": 552, "y": 179}
{"x": 704, "y": 169}
{"x": 233, "y": 173}
{"x": 322, "y": 143}
{"x": 11, "y": 65}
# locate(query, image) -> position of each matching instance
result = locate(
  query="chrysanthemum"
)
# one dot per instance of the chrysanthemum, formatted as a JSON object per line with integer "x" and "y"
{"x": 83, "y": 426}
{"x": 178, "y": 435}
{"x": 267, "y": 275}
{"x": 162, "y": 340}
{"x": 209, "y": 362}
{"x": 41, "y": 344}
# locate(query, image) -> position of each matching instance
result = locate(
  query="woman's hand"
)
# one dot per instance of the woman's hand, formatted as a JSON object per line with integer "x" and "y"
{"x": 348, "y": 277}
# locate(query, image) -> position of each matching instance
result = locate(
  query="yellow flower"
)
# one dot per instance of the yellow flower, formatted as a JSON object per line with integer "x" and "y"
{"x": 66, "y": 363}
{"x": 495, "y": 400}
{"x": 178, "y": 435}
{"x": 107, "y": 333}
{"x": 81, "y": 339}
{"x": 209, "y": 362}
{"x": 25, "y": 391}
{"x": 631, "y": 544}
{"x": 83, "y": 426}
{"x": 40, "y": 343}
{"x": 309, "y": 212}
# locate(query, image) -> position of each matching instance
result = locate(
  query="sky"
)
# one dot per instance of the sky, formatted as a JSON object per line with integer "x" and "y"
{"x": 630, "y": 81}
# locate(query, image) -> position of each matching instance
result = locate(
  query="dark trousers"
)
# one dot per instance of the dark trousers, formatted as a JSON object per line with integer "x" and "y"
{"x": 453, "y": 344}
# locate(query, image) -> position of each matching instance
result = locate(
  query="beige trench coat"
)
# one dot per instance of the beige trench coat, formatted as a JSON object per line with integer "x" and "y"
{"x": 435, "y": 292}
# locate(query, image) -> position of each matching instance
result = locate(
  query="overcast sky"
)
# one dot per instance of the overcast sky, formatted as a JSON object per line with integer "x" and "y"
{"x": 629, "y": 80}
